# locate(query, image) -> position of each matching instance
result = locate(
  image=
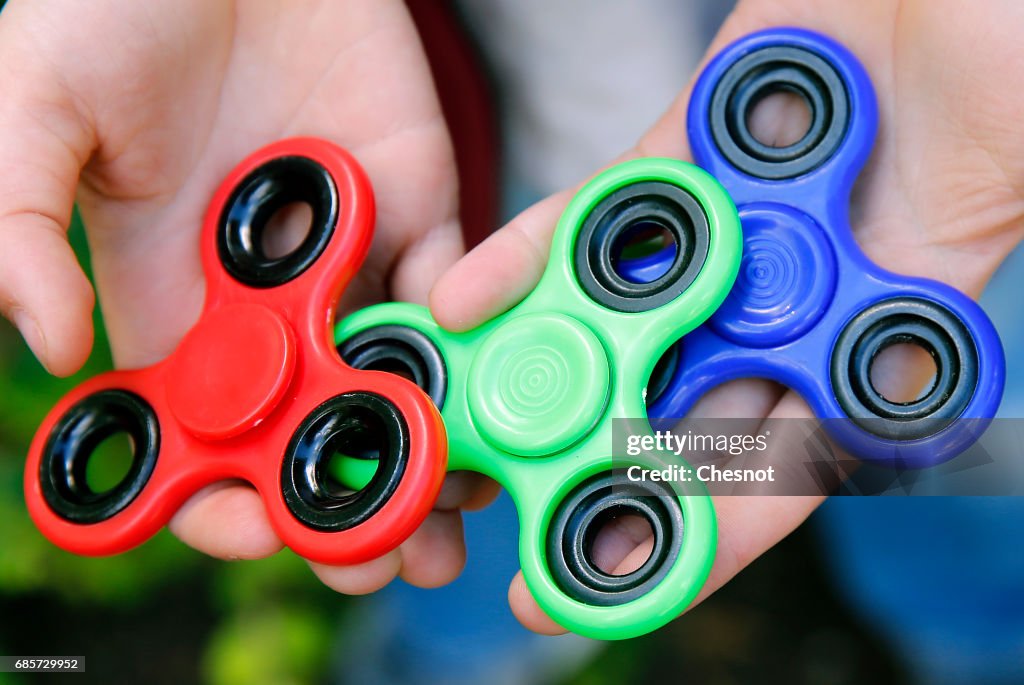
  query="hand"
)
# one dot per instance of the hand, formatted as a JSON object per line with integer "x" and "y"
{"x": 942, "y": 196}
{"x": 138, "y": 110}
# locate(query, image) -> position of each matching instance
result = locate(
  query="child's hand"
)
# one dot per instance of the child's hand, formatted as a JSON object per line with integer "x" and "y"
{"x": 942, "y": 196}
{"x": 137, "y": 110}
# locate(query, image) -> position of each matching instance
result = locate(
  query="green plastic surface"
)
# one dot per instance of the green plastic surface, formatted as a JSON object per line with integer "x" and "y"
{"x": 532, "y": 394}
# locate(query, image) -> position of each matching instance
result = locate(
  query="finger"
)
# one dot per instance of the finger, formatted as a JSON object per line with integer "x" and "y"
{"x": 401, "y": 139}
{"x": 622, "y": 545}
{"x": 423, "y": 262}
{"x": 436, "y": 553}
{"x": 227, "y": 521}
{"x": 43, "y": 146}
{"x": 360, "y": 579}
{"x": 500, "y": 271}
{"x": 466, "y": 490}
{"x": 483, "y": 496}
{"x": 750, "y": 525}
{"x": 744, "y": 398}
{"x": 527, "y": 611}
{"x": 43, "y": 290}
{"x": 418, "y": 235}
{"x": 902, "y": 372}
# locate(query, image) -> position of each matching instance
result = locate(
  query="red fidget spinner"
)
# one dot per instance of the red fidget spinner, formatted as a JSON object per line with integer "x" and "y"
{"x": 255, "y": 391}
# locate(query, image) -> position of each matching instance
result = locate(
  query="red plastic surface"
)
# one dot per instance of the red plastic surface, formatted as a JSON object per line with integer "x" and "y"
{"x": 254, "y": 366}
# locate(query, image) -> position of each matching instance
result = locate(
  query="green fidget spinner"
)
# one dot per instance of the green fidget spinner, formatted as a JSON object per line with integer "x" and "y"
{"x": 528, "y": 397}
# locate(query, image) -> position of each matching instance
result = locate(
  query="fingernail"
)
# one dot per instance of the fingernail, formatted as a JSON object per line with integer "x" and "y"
{"x": 32, "y": 334}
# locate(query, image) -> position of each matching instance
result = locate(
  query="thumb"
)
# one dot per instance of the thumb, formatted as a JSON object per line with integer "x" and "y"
{"x": 43, "y": 145}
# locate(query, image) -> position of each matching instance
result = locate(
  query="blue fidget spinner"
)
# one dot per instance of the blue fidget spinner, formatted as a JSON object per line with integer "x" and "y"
{"x": 809, "y": 310}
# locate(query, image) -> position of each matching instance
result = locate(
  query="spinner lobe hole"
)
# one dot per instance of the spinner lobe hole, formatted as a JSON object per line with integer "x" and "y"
{"x": 352, "y": 459}
{"x": 345, "y": 461}
{"x": 779, "y": 112}
{"x": 641, "y": 246}
{"x": 619, "y": 541}
{"x": 110, "y": 463}
{"x": 589, "y": 557}
{"x": 780, "y": 117}
{"x": 904, "y": 370}
{"x": 286, "y": 230}
{"x": 644, "y": 251}
{"x": 857, "y": 378}
{"x": 99, "y": 456}
{"x": 277, "y": 222}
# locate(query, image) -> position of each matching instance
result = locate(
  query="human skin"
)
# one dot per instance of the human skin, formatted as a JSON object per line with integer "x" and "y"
{"x": 137, "y": 110}
{"x": 942, "y": 196}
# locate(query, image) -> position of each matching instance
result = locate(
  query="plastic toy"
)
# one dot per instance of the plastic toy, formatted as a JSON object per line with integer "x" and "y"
{"x": 255, "y": 390}
{"x": 528, "y": 398}
{"x": 808, "y": 309}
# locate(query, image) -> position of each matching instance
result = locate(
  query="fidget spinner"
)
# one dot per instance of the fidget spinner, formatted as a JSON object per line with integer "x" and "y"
{"x": 255, "y": 391}
{"x": 528, "y": 397}
{"x": 808, "y": 309}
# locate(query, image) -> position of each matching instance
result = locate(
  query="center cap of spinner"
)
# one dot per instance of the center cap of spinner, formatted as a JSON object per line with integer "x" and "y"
{"x": 538, "y": 384}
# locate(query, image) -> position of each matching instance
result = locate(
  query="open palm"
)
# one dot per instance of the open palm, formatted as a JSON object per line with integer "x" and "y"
{"x": 137, "y": 110}
{"x": 942, "y": 196}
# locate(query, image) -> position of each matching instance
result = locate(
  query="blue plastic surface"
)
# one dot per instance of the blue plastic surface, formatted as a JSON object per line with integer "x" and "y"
{"x": 803, "y": 277}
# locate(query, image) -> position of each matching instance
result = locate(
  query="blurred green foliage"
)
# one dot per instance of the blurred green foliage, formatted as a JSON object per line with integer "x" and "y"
{"x": 248, "y": 622}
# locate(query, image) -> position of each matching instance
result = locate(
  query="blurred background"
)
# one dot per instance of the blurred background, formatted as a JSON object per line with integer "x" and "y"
{"x": 539, "y": 95}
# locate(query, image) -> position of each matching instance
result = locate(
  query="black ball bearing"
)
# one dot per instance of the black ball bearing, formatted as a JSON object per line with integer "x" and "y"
{"x": 74, "y": 440}
{"x": 581, "y": 516}
{"x": 257, "y": 198}
{"x": 356, "y": 424}
{"x": 401, "y": 350}
{"x": 648, "y": 203}
{"x": 765, "y": 72}
{"x": 905, "y": 320}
